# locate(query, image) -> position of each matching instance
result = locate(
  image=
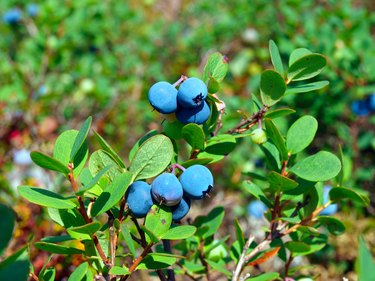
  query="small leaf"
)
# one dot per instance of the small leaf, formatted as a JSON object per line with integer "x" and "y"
{"x": 80, "y": 138}
{"x": 16, "y": 266}
{"x": 101, "y": 159}
{"x": 159, "y": 220}
{"x": 111, "y": 152}
{"x": 66, "y": 217}
{"x": 49, "y": 163}
{"x": 219, "y": 267}
{"x": 297, "y": 246}
{"x": 112, "y": 194}
{"x": 239, "y": 234}
{"x": 333, "y": 225}
{"x": 79, "y": 273}
{"x": 179, "y": 232}
{"x": 304, "y": 88}
{"x": 272, "y": 156}
{"x": 172, "y": 130}
{"x": 157, "y": 261}
{"x": 272, "y": 86}
{"x": 152, "y": 157}
{"x": 297, "y": 54}
{"x": 277, "y": 139}
{"x": 301, "y": 134}
{"x": 119, "y": 270}
{"x": 194, "y": 136}
{"x": 84, "y": 232}
{"x": 140, "y": 141}
{"x": 270, "y": 276}
{"x": 128, "y": 238}
{"x": 213, "y": 221}
{"x": 94, "y": 181}
{"x": 216, "y": 67}
{"x": 6, "y": 225}
{"x": 200, "y": 161}
{"x": 306, "y": 67}
{"x": 337, "y": 194}
{"x": 57, "y": 249}
{"x": 44, "y": 197}
{"x": 48, "y": 274}
{"x": 221, "y": 144}
{"x": 321, "y": 166}
{"x": 57, "y": 239}
{"x": 276, "y": 58}
{"x": 280, "y": 112}
{"x": 280, "y": 183}
{"x": 365, "y": 264}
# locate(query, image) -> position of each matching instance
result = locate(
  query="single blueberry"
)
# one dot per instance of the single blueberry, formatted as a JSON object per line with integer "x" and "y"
{"x": 166, "y": 189}
{"x": 163, "y": 97}
{"x": 331, "y": 209}
{"x": 256, "y": 209}
{"x": 32, "y": 9}
{"x": 197, "y": 181}
{"x": 192, "y": 92}
{"x": 138, "y": 197}
{"x": 360, "y": 107}
{"x": 197, "y": 115}
{"x": 12, "y": 16}
{"x": 180, "y": 211}
{"x": 371, "y": 101}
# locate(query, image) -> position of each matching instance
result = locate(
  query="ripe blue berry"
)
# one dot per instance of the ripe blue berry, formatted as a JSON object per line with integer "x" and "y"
{"x": 192, "y": 92}
{"x": 163, "y": 97}
{"x": 138, "y": 197}
{"x": 256, "y": 209}
{"x": 179, "y": 211}
{"x": 371, "y": 101}
{"x": 166, "y": 189}
{"x": 12, "y": 16}
{"x": 32, "y": 9}
{"x": 197, "y": 181}
{"x": 360, "y": 107}
{"x": 197, "y": 115}
{"x": 331, "y": 209}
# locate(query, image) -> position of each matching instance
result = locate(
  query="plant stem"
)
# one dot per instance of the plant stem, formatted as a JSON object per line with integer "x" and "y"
{"x": 203, "y": 261}
{"x": 287, "y": 265}
{"x": 137, "y": 261}
{"x": 179, "y": 81}
{"x": 249, "y": 122}
{"x": 240, "y": 265}
{"x": 167, "y": 249}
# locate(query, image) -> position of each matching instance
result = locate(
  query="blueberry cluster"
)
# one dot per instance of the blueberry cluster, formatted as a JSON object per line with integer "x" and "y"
{"x": 188, "y": 102}
{"x": 14, "y": 15}
{"x": 194, "y": 183}
{"x": 364, "y": 107}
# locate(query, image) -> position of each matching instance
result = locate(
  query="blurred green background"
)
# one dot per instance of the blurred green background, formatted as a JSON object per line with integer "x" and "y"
{"x": 61, "y": 61}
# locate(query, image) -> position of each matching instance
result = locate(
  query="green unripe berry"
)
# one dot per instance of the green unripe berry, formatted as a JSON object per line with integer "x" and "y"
{"x": 258, "y": 136}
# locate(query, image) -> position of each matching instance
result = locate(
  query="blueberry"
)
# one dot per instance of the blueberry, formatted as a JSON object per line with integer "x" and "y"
{"x": 12, "y": 16}
{"x": 192, "y": 92}
{"x": 258, "y": 136}
{"x": 166, "y": 189}
{"x": 163, "y": 97}
{"x": 197, "y": 115}
{"x": 360, "y": 107}
{"x": 197, "y": 181}
{"x": 32, "y": 9}
{"x": 371, "y": 101}
{"x": 138, "y": 197}
{"x": 331, "y": 209}
{"x": 179, "y": 211}
{"x": 22, "y": 157}
{"x": 256, "y": 209}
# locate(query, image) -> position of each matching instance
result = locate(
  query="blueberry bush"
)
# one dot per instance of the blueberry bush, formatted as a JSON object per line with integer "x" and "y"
{"x": 126, "y": 218}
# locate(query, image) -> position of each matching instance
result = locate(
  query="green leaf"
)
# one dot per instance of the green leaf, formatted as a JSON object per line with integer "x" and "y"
{"x": 219, "y": 267}
{"x": 94, "y": 181}
{"x": 57, "y": 239}
{"x": 6, "y": 225}
{"x": 157, "y": 261}
{"x": 48, "y": 274}
{"x": 84, "y": 232}
{"x": 365, "y": 264}
{"x": 212, "y": 221}
{"x": 179, "y": 232}
{"x": 57, "y": 249}
{"x": 280, "y": 112}
{"x": 321, "y": 166}
{"x": 63, "y": 147}
{"x": 297, "y": 54}
{"x": 340, "y": 176}
{"x": 66, "y": 217}
{"x": 306, "y": 67}
{"x": 152, "y": 157}
{"x": 272, "y": 86}
{"x": 265, "y": 277}
{"x": 99, "y": 160}
{"x": 140, "y": 141}
{"x": 200, "y": 161}
{"x": 337, "y": 194}
{"x": 80, "y": 272}
{"x": 213, "y": 85}
{"x": 239, "y": 234}
{"x": 128, "y": 238}
{"x": 301, "y": 134}
{"x": 272, "y": 156}
{"x": 333, "y": 225}
{"x": 119, "y": 270}
{"x": 111, "y": 152}
{"x": 112, "y": 194}
{"x": 304, "y": 88}
{"x": 216, "y": 67}
{"x": 80, "y": 138}
{"x": 297, "y": 246}
{"x": 172, "y": 130}
{"x": 280, "y": 183}
{"x": 49, "y": 163}
{"x": 151, "y": 237}
{"x": 276, "y": 58}
{"x": 274, "y": 134}
{"x": 221, "y": 144}
{"x": 194, "y": 135}
{"x": 44, "y": 197}
{"x": 16, "y": 266}
{"x": 159, "y": 220}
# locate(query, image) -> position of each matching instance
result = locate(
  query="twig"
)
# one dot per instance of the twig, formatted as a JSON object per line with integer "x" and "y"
{"x": 167, "y": 249}
{"x": 287, "y": 265}
{"x": 137, "y": 261}
{"x": 179, "y": 81}
{"x": 240, "y": 265}
{"x": 249, "y": 122}
{"x": 203, "y": 261}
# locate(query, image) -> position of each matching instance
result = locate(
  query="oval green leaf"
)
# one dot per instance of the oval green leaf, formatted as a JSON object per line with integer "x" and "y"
{"x": 152, "y": 157}
{"x": 44, "y": 197}
{"x": 6, "y": 225}
{"x": 79, "y": 272}
{"x": 333, "y": 225}
{"x": 276, "y": 58}
{"x": 84, "y": 232}
{"x": 304, "y": 88}
{"x": 57, "y": 249}
{"x": 306, "y": 67}
{"x": 99, "y": 160}
{"x": 280, "y": 112}
{"x": 301, "y": 134}
{"x": 179, "y": 232}
{"x": 272, "y": 85}
{"x": 49, "y": 163}
{"x": 340, "y": 193}
{"x": 111, "y": 152}
{"x": 297, "y": 54}
{"x": 297, "y": 246}
{"x": 194, "y": 135}
{"x": 80, "y": 138}
{"x": 321, "y": 166}
{"x": 280, "y": 183}
{"x": 265, "y": 277}
{"x": 159, "y": 220}
{"x": 216, "y": 67}
{"x": 278, "y": 140}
